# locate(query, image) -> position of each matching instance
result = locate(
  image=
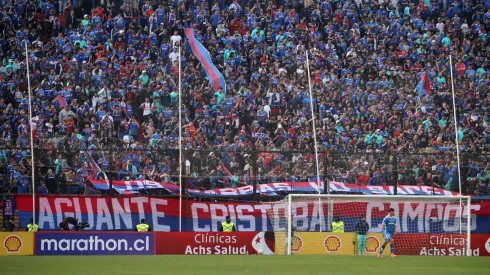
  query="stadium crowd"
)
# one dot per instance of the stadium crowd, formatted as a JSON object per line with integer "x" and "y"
{"x": 104, "y": 76}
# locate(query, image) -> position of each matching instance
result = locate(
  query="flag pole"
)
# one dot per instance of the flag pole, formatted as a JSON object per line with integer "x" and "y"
{"x": 457, "y": 146}
{"x": 455, "y": 123}
{"x": 180, "y": 141}
{"x": 33, "y": 182}
{"x": 313, "y": 122}
{"x": 314, "y": 139}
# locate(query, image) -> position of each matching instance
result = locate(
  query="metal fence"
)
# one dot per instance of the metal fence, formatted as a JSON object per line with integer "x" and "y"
{"x": 65, "y": 171}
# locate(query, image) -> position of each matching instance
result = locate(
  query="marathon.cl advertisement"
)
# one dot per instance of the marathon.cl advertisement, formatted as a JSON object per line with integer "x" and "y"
{"x": 109, "y": 243}
{"x": 162, "y": 214}
{"x": 236, "y": 243}
{"x": 16, "y": 243}
{"x": 312, "y": 243}
{"x": 441, "y": 244}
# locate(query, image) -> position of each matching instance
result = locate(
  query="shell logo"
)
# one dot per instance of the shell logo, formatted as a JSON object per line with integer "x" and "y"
{"x": 12, "y": 244}
{"x": 297, "y": 244}
{"x": 332, "y": 244}
{"x": 372, "y": 244}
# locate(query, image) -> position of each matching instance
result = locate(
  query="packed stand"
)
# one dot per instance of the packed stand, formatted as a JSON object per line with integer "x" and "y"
{"x": 104, "y": 78}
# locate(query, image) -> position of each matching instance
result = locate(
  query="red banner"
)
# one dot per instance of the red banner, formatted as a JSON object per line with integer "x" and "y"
{"x": 481, "y": 243}
{"x": 162, "y": 214}
{"x": 441, "y": 244}
{"x": 237, "y": 243}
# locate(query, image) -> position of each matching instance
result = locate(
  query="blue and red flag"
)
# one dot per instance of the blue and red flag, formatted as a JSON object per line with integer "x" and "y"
{"x": 98, "y": 173}
{"x": 270, "y": 189}
{"x": 61, "y": 101}
{"x": 215, "y": 78}
{"x": 423, "y": 87}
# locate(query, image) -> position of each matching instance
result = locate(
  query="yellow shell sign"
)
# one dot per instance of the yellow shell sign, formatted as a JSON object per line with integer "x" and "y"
{"x": 297, "y": 244}
{"x": 372, "y": 244}
{"x": 333, "y": 243}
{"x": 16, "y": 243}
{"x": 12, "y": 244}
{"x": 329, "y": 243}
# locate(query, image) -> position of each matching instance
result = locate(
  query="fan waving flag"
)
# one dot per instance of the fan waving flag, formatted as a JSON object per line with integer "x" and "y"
{"x": 216, "y": 79}
{"x": 423, "y": 87}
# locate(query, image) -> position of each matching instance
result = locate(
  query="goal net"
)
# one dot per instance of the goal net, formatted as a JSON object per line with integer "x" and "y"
{"x": 331, "y": 224}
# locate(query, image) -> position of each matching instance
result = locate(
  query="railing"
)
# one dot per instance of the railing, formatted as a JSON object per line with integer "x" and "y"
{"x": 65, "y": 171}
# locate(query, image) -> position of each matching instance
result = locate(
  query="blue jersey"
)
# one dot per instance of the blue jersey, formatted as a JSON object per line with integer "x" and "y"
{"x": 390, "y": 223}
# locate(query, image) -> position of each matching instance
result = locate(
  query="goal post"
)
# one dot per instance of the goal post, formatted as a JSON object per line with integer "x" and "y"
{"x": 425, "y": 225}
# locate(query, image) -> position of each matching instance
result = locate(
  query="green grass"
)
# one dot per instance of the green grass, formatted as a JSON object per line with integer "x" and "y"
{"x": 237, "y": 265}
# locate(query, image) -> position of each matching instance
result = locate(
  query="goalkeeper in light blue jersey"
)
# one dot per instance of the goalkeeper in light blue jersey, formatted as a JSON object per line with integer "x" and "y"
{"x": 388, "y": 229}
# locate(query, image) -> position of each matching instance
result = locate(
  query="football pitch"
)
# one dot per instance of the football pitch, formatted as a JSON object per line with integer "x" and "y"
{"x": 237, "y": 265}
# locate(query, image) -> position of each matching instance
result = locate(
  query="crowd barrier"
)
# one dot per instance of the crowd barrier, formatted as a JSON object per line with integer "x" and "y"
{"x": 399, "y": 172}
{"x": 237, "y": 243}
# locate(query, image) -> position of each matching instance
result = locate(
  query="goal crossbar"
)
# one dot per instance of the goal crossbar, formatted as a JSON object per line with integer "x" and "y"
{"x": 362, "y": 198}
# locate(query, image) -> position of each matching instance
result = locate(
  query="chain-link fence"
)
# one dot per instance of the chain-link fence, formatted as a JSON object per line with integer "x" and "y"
{"x": 73, "y": 170}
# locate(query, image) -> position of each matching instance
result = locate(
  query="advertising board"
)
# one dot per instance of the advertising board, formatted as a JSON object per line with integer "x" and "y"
{"x": 442, "y": 244}
{"x": 91, "y": 243}
{"x": 235, "y": 243}
{"x": 480, "y": 244}
{"x": 405, "y": 244}
{"x": 16, "y": 243}
{"x": 312, "y": 243}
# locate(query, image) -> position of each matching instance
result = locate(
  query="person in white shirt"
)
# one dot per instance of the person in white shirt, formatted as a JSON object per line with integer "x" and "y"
{"x": 146, "y": 106}
{"x": 174, "y": 56}
{"x": 104, "y": 93}
{"x": 108, "y": 116}
{"x": 440, "y": 26}
{"x": 464, "y": 27}
{"x": 49, "y": 127}
{"x": 267, "y": 109}
{"x": 176, "y": 38}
